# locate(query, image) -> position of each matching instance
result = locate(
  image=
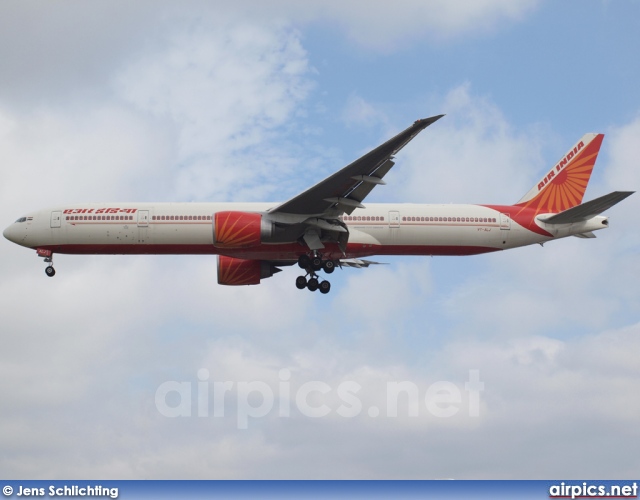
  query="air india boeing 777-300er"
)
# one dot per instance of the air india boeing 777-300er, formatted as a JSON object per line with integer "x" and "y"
{"x": 327, "y": 225}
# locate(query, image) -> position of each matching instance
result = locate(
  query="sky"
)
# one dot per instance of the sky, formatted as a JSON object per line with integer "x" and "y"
{"x": 208, "y": 101}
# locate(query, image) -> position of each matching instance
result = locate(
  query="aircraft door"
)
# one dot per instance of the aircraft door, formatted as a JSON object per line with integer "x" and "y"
{"x": 56, "y": 218}
{"x": 505, "y": 222}
{"x": 143, "y": 226}
{"x": 394, "y": 219}
{"x": 505, "y": 226}
{"x": 143, "y": 218}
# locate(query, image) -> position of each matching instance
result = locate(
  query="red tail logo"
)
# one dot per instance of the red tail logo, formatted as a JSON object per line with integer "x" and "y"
{"x": 564, "y": 185}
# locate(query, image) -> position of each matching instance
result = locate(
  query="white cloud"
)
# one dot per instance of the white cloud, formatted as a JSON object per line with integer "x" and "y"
{"x": 386, "y": 27}
{"x": 226, "y": 91}
{"x": 359, "y": 112}
{"x": 471, "y": 155}
{"x": 83, "y": 354}
{"x": 109, "y": 330}
{"x": 78, "y": 46}
{"x": 63, "y": 154}
{"x": 622, "y": 174}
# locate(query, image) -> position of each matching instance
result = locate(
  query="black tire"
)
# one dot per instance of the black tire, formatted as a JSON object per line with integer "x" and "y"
{"x": 301, "y": 282}
{"x": 329, "y": 266}
{"x": 316, "y": 263}
{"x": 51, "y": 272}
{"x": 312, "y": 284}
{"x": 325, "y": 286}
{"x": 304, "y": 261}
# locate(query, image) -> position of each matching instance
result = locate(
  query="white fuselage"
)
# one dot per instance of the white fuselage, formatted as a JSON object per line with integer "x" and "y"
{"x": 186, "y": 228}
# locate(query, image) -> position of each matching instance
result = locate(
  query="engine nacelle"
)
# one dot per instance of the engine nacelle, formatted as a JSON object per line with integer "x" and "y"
{"x": 240, "y": 229}
{"x": 232, "y": 271}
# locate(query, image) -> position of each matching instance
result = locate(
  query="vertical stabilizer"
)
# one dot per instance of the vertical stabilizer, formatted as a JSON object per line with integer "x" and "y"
{"x": 564, "y": 185}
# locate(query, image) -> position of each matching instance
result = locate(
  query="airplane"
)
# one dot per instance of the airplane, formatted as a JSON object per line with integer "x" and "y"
{"x": 327, "y": 225}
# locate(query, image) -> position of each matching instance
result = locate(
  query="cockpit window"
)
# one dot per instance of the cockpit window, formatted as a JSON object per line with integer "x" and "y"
{"x": 22, "y": 219}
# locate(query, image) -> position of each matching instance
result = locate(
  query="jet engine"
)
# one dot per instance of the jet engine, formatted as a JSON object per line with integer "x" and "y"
{"x": 240, "y": 229}
{"x": 232, "y": 271}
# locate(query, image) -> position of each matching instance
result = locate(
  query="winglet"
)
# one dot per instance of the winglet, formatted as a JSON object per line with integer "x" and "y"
{"x": 427, "y": 121}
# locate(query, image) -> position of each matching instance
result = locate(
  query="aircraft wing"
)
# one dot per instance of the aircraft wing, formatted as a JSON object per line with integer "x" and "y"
{"x": 345, "y": 190}
{"x": 587, "y": 210}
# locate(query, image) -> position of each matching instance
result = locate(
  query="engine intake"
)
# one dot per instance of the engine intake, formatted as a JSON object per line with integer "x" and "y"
{"x": 240, "y": 229}
{"x": 232, "y": 271}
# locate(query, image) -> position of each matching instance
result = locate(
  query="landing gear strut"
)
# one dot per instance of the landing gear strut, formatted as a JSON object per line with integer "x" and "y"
{"x": 313, "y": 264}
{"x": 47, "y": 255}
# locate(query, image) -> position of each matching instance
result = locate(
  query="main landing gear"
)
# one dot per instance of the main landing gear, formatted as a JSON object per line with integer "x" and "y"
{"x": 312, "y": 264}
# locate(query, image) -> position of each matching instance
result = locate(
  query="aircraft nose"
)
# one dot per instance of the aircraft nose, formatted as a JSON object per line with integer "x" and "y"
{"x": 10, "y": 233}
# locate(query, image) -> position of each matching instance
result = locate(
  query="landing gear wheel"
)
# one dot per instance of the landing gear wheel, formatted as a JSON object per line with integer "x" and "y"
{"x": 304, "y": 261}
{"x": 316, "y": 263}
{"x": 301, "y": 282}
{"x": 325, "y": 286}
{"x": 51, "y": 272}
{"x": 312, "y": 284}
{"x": 329, "y": 266}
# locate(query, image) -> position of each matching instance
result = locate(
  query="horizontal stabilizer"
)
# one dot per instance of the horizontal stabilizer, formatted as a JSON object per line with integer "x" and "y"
{"x": 588, "y": 234}
{"x": 587, "y": 210}
{"x": 358, "y": 263}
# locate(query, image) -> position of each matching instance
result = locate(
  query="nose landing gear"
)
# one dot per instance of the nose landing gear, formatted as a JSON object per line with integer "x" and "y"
{"x": 313, "y": 264}
{"x": 47, "y": 255}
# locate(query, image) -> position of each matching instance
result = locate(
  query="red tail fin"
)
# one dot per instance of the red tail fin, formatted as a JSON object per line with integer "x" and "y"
{"x": 564, "y": 185}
